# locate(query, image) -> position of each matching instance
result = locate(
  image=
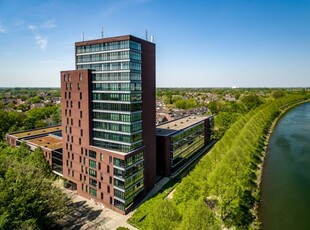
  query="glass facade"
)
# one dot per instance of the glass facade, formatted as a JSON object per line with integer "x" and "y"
{"x": 116, "y": 112}
{"x": 184, "y": 144}
{"x": 116, "y": 93}
{"x": 128, "y": 180}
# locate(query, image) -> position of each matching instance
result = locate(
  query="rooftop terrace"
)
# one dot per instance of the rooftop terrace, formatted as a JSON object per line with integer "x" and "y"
{"x": 177, "y": 125}
{"x": 35, "y": 132}
{"x": 49, "y": 142}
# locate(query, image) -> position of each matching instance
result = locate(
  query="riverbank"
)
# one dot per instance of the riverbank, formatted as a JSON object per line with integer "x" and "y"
{"x": 284, "y": 110}
{"x": 222, "y": 191}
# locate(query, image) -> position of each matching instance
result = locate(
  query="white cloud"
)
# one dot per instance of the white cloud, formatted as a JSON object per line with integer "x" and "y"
{"x": 2, "y": 28}
{"x": 41, "y": 41}
{"x": 33, "y": 27}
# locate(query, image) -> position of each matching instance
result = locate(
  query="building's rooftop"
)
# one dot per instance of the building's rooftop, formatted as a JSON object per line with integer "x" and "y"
{"x": 49, "y": 142}
{"x": 35, "y": 132}
{"x": 177, "y": 125}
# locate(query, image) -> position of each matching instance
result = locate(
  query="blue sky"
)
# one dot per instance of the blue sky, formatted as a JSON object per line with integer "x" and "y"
{"x": 207, "y": 43}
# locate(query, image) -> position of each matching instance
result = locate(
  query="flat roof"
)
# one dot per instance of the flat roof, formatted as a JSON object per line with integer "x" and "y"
{"x": 177, "y": 125}
{"x": 49, "y": 142}
{"x": 34, "y": 132}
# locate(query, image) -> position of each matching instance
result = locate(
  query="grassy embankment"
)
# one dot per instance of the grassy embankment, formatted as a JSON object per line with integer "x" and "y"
{"x": 223, "y": 189}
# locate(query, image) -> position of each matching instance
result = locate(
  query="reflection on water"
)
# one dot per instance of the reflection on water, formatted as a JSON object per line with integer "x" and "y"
{"x": 285, "y": 199}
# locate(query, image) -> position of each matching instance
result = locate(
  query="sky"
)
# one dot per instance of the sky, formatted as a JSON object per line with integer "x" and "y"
{"x": 206, "y": 43}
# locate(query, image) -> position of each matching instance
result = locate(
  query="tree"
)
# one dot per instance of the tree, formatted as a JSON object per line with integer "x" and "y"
{"x": 251, "y": 101}
{"x": 278, "y": 93}
{"x": 165, "y": 216}
{"x": 11, "y": 105}
{"x": 27, "y": 197}
{"x": 56, "y": 116}
{"x": 198, "y": 216}
{"x": 167, "y": 99}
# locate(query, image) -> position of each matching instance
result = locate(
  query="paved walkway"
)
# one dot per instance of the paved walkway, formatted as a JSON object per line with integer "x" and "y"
{"x": 89, "y": 215}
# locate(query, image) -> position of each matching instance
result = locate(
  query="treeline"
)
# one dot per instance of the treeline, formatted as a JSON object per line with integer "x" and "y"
{"x": 12, "y": 121}
{"x": 222, "y": 191}
{"x": 28, "y": 200}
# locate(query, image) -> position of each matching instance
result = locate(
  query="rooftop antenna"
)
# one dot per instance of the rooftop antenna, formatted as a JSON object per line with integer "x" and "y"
{"x": 83, "y": 36}
{"x": 102, "y": 33}
{"x": 145, "y": 34}
{"x": 152, "y": 38}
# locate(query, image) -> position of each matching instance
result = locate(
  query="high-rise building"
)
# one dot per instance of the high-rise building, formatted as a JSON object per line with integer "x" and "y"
{"x": 108, "y": 120}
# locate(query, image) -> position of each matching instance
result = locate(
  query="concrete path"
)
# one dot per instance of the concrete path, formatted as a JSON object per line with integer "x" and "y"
{"x": 89, "y": 215}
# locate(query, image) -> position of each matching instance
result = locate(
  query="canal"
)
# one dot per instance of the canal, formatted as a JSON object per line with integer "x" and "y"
{"x": 285, "y": 198}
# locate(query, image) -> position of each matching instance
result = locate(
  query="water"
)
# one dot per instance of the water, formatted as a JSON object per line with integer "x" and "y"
{"x": 285, "y": 200}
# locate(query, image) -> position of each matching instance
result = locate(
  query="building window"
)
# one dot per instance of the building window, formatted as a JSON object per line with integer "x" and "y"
{"x": 108, "y": 169}
{"x": 70, "y": 147}
{"x": 72, "y": 139}
{"x": 82, "y": 151}
{"x": 111, "y": 200}
{"x": 82, "y": 187}
{"x": 99, "y": 185}
{"x": 99, "y": 166}
{"x": 79, "y": 123}
{"x": 93, "y": 192}
{"x": 65, "y": 112}
{"x": 81, "y": 114}
{"x": 71, "y": 104}
{"x": 92, "y": 164}
{"x": 65, "y": 77}
{"x": 68, "y": 172}
{"x": 80, "y": 159}
{"x": 81, "y": 96}
{"x": 110, "y": 159}
{"x": 101, "y": 196}
{"x": 69, "y": 112}
{"x": 72, "y": 156}
{"x": 69, "y": 95}
{"x": 71, "y": 121}
{"x": 101, "y": 156}
{"x": 92, "y": 154}
{"x": 101, "y": 176}
{"x": 65, "y": 95}
{"x": 72, "y": 173}
{"x": 93, "y": 173}
{"x": 69, "y": 77}
{"x": 79, "y": 86}
{"x": 79, "y": 105}
{"x": 93, "y": 182}
{"x": 81, "y": 76}
{"x": 110, "y": 180}
{"x": 81, "y": 132}
{"x": 108, "y": 188}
